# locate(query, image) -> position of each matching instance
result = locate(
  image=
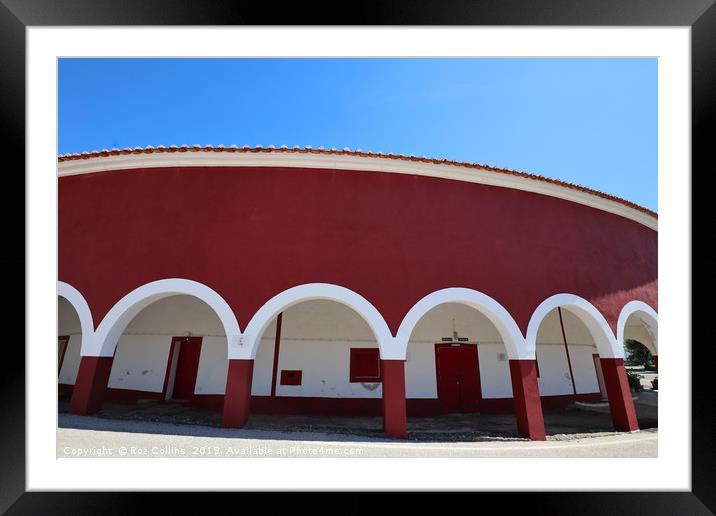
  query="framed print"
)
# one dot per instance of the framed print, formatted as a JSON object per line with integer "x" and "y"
{"x": 227, "y": 310}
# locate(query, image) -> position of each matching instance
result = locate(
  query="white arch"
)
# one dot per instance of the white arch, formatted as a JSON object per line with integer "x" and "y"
{"x": 117, "y": 319}
{"x": 494, "y": 311}
{"x": 598, "y": 327}
{"x": 259, "y": 322}
{"x": 648, "y": 317}
{"x": 78, "y": 302}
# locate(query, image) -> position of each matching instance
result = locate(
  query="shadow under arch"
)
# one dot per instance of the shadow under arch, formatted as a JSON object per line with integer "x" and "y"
{"x": 494, "y": 311}
{"x": 597, "y": 325}
{"x": 121, "y": 314}
{"x": 648, "y": 317}
{"x": 79, "y": 303}
{"x": 308, "y": 292}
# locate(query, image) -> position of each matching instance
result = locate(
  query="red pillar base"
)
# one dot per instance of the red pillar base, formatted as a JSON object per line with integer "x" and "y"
{"x": 238, "y": 393}
{"x": 619, "y": 393}
{"x": 528, "y": 407}
{"x": 394, "y": 412}
{"x": 91, "y": 384}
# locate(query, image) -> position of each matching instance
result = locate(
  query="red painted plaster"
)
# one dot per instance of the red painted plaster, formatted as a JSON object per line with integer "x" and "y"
{"x": 250, "y": 233}
{"x": 525, "y": 393}
{"x": 238, "y": 393}
{"x": 619, "y": 394}
{"x": 90, "y": 385}
{"x": 394, "y": 407}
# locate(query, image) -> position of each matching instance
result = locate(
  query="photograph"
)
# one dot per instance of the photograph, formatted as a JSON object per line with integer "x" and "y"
{"x": 357, "y": 257}
{"x": 416, "y": 250}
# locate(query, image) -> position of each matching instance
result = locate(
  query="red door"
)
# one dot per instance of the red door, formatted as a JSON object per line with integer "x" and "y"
{"x": 62, "y": 342}
{"x": 458, "y": 377}
{"x": 187, "y": 367}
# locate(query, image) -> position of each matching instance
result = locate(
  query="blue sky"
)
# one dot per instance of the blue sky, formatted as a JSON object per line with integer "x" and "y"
{"x": 587, "y": 121}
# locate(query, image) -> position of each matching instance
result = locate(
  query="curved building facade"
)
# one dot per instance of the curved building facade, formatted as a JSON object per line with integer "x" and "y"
{"x": 344, "y": 282}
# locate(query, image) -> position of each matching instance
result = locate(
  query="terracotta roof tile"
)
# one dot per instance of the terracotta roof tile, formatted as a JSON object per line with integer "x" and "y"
{"x": 346, "y": 151}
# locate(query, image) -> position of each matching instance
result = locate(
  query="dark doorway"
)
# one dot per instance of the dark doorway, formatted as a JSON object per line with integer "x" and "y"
{"x": 62, "y": 343}
{"x": 187, "y": 351}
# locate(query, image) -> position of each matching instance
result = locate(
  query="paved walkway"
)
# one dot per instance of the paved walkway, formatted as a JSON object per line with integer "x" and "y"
{"x": 157, "y": 429}
{"x": 86, "y": 436}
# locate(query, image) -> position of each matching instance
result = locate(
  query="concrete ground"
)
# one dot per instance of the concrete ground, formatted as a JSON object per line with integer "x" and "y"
{"x": 583, "y": 430}
{"x": 88, "y": 436}
{"x": 646, "y": 377}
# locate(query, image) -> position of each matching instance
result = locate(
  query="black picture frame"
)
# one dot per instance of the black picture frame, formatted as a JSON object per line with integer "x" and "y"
{"x": 17, "y": 15}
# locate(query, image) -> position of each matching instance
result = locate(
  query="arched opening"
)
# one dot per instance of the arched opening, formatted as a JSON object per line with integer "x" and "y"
{"x": 160, "y": 352}
{"x": 308, "y": 292}
{"x": 362, "y": 324}
{"x": 582, "y": 379}
{"x": 169, "y": 360}
{"x": 457, "y": 367}
{"x": 69, "y": 343}
{"x": 638, "y": 349}
{"x": 165, "y": 341}
{"x": 637, "y": 329}
{"x": 516, "y": 392}
{"x": 567, "y": 360}
{"x": 570, "y": 375}
{"x": 317, "y": 361}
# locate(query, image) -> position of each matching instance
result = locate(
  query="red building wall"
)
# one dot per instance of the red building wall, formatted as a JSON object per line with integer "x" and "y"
{"x": 250, "y": 233}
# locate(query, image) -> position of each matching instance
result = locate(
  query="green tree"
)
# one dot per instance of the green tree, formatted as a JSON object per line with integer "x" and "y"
{"x": 637, "y": 353}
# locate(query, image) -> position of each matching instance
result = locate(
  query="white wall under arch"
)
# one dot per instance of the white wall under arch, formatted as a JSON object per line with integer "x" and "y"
{"x": 494, "y": 311}
{"x": 120, "y": 315}
{"x": 247, "y": 345}
{"x": 607, "y": 345}
{"x": 649, "y": 318}
{"x": 70, "y": 325}
{"x": 441, "y": 321}
{"x": 565, "y": 356}
{"x": 78, "y": 302}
